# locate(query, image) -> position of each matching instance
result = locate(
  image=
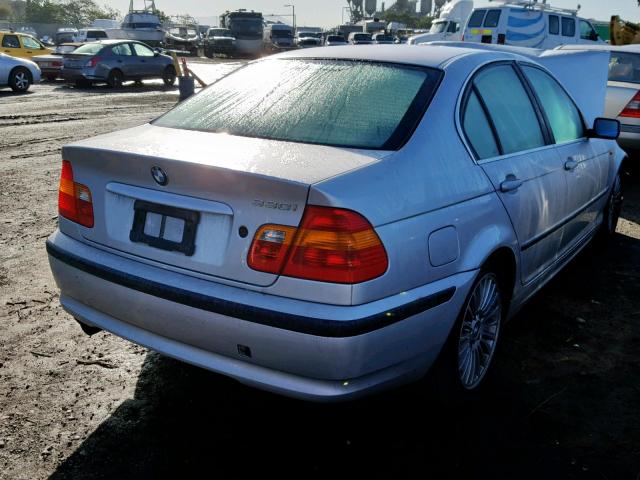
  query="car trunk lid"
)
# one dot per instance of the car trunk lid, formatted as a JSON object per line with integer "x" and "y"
{"x": 233, "y": 184}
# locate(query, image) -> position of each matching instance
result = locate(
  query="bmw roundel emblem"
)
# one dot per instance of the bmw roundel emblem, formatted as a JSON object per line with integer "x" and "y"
{"x": 159, "y": 176}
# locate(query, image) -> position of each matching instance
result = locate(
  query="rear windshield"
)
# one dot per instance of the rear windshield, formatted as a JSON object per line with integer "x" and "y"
{"x": 96, "y": 34}
{"x": 329, "y": 102}
{"x": 89, "y": 48}
{"x": 624, "y": 67}
{"x": 384, "y": 38}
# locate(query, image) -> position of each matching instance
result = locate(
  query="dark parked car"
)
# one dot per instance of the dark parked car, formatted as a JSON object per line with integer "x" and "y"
{"x": 115, "y": 61}
{"x": 218, "y": 40}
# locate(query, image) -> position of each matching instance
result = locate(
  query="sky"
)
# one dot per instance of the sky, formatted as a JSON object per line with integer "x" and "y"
{"x": 328, "y": 13}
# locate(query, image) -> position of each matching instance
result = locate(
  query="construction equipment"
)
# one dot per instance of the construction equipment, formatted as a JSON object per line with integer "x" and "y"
{"x": 623, "y": 32}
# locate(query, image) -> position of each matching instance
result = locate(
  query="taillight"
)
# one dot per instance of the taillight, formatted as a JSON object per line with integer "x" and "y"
{"x": 74, "y": 199}
{"x": 269, "y": 248}
{"x": 633, "y": 107}
{"x": 93, "y": 62}
{"x": 56, "y": 64}
{"x": 331, "y": 245}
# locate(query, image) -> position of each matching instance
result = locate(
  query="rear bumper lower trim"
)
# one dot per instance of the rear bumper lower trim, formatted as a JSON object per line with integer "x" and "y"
{"x": 283, "y": 320}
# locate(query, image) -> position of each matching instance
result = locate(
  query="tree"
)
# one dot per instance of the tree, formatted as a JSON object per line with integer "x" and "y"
{"x": 44, "y": 11}
{"x": 5, "y": 12}
{"x": 81, "y": 13}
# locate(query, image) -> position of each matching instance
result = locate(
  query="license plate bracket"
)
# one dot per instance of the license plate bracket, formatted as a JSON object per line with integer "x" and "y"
{"x": 140, "y": 229}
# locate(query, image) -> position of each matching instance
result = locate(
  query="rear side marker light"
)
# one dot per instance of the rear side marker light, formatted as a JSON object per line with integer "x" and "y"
{"x": 632, "y": 109}
{"x": 330, "y": 245}
{"x": 74, "y": 199}
{"x": 269, "y": 248}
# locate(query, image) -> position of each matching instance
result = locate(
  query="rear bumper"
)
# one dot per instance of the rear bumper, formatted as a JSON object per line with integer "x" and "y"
{"x": 73, "y": 75}
{"x": 301, "y": 349}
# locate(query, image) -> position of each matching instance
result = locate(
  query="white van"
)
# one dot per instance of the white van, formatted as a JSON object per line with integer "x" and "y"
{"x": 448, "y": 26}
{"x": 529, "y": 24}
{"x": 90, "y": 35}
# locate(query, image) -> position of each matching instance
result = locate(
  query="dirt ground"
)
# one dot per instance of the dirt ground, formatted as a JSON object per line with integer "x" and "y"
{"x": 564, "y": 401}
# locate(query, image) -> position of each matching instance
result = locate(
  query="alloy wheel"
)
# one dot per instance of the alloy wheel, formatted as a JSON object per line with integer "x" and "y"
{"x": 479, "y": 331}
{"x": 21, "y": 80}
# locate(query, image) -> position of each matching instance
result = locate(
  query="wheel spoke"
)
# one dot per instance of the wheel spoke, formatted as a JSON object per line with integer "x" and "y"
{"x": 479, "y": 331}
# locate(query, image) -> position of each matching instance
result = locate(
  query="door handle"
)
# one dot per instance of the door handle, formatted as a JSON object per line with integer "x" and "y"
{"x": 510, "y": 184}
{"x": 119, "y": 61}
{"x": 570, "y": 164}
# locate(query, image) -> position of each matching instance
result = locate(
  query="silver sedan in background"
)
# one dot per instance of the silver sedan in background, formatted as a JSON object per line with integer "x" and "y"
{"x": 116, "y": 61}
{"x": 336, "y": 227}
{"x": 18, "y": 73}
{"x": 623, "y": 91}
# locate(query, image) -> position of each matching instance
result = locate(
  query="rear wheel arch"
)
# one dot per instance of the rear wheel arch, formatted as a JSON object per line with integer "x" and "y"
{"x": 503, "y": 262}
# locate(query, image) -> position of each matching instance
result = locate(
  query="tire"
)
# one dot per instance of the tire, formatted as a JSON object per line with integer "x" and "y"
{"x": 611, "y": 212}
{"x": 82, "y": 84}
{"x": 169, "y": 76}
{"x": 208, "y": 53}
{"x": 115, "y": 78}
{"x": 20, "y": 79}
{"x": 465, "y": 362}
{"x": 51, "y": 78}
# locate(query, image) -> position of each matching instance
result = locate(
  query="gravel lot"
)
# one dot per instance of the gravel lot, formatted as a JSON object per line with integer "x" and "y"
{"x": 564, "y": 400}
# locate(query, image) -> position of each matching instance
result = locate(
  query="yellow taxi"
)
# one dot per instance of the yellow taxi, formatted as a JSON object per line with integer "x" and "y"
{"x": 21, "y": 45}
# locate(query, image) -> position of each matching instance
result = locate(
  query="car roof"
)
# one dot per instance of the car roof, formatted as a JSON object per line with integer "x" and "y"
{"x": 602, "y": 47}
{"x": 427, "y": 56}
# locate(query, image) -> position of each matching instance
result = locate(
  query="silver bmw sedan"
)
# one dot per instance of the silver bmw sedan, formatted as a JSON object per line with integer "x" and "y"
{"x": 327, "y": 223}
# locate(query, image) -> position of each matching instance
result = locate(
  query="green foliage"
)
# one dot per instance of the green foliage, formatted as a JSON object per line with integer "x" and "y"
{"x": 77, "y": 13}
{"x": 5, "y": 12}
{"x": 409, "y": 19}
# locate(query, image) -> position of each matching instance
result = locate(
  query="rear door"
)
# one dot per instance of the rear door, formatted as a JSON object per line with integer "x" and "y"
{"x": 124, "y": 60}
{"x": 585, "y": 161}
{"x": 11, "y": 45}
{"x": 504, "y": 128}
{"x": 148, "y": 64}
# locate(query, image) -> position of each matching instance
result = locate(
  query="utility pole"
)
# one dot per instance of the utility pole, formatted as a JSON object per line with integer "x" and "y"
{"x": 293, "y": 14}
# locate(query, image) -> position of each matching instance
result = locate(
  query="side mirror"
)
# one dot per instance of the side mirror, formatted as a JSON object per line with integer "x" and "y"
{"x": 156, "y": 52}
{"x": 606, "y": 128}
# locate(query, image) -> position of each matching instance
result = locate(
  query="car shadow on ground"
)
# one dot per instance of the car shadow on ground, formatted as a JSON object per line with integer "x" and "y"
{"x": 560, "y": 404}
{"x": 10, "y": 93}
{"x": 128, "y": 87}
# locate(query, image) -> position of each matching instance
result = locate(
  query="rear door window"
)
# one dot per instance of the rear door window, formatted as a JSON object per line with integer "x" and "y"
{"x": 568, "y": 27}
{"x": 492, "y": 18}
{"x": 10, "y": 41}
{"x": 122, "y": 49}
{"x": 509, "y": 109}
{"x": 554, "y": 25}
{"x": 478, "y": 129}
{"x": 476, "y": 18}
{"x": 562, "y": 114}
